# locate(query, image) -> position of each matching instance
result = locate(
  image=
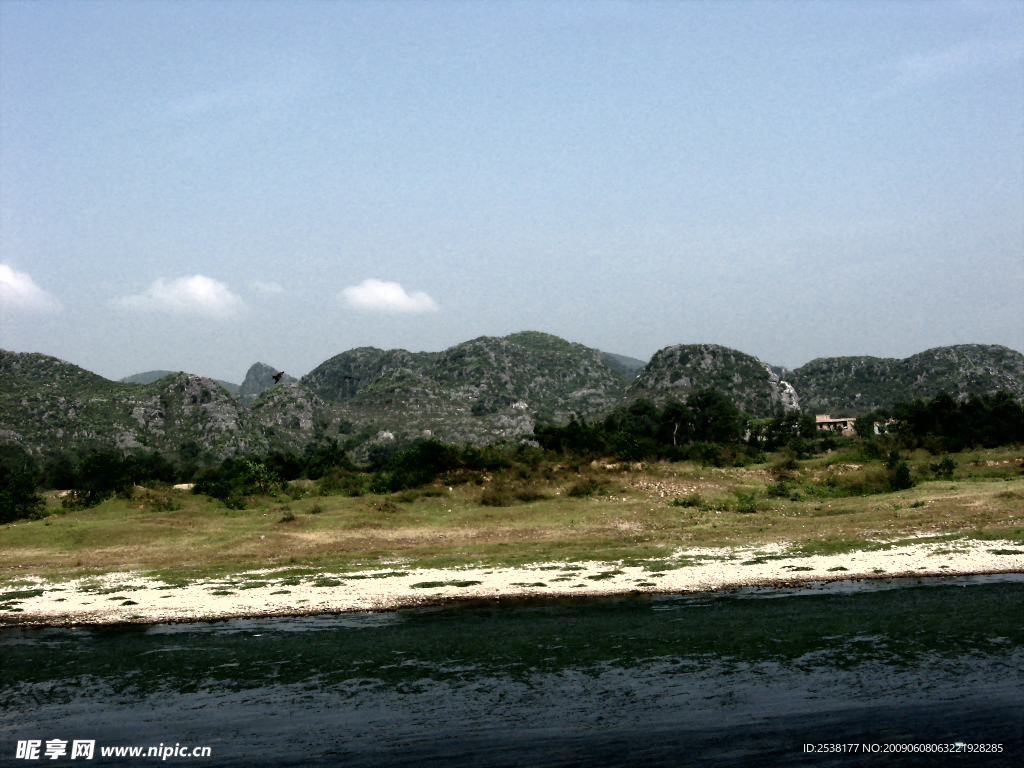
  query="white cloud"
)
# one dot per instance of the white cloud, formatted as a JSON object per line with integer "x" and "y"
{"x": 376, "y": 295}
{"x": 196, "y": 295}
{"x": 18, "y": 291}
{"x": 263, "y": 287}
{"x": 926, "y": 68}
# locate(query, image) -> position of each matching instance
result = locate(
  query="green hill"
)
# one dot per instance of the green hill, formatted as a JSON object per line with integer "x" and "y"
{"x": 553, "y": 377}
{"x": 150, "y": 376}
{"x": 852, "y": 385}
{"x": 52, "y": 405}
{"x": 338, "y": 379}
{"x": 485, "y": 390}
{"x": 677, "y": 371}
{"x": 480, "y": 391}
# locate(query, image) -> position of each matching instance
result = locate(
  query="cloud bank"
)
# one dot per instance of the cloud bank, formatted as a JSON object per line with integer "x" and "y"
{"x": 379, "y": 296}
{"x": 18, "y": 291}
{"x": 196, "y": 295}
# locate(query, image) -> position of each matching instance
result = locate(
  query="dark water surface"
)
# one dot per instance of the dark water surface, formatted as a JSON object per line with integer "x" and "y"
{"x": 726, "y": 679}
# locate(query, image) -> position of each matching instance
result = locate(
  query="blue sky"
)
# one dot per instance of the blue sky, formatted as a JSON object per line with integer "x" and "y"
{"x": 199, "y": 186}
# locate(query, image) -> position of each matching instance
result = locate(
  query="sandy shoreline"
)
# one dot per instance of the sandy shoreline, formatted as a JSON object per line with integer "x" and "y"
{"x": 127, "y": 597}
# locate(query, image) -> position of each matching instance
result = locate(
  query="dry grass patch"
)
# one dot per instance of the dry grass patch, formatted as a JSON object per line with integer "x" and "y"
{"x": 620, "y": 514}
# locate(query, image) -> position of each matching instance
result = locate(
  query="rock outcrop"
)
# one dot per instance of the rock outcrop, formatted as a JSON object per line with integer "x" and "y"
{"x": 676, "y": 372}
{"x": 259, "y": 378}
{"x": 852, "y": 385}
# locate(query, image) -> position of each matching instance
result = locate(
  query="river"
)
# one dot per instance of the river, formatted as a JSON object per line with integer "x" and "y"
{"x": 746, "y": 677}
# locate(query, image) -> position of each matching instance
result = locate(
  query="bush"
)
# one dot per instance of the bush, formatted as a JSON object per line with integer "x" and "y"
{"x": 259, "y": 479}
{"x": 529, "y": 493}
{"x": 235, "y": 501}
{"x": 693, "y": 500}
{"x": 586, "y": 486}
{"x": 496, "y": 496}
{"x": 901, "y": 479}
{"x": 746, "y": 502}
{"x": 339, "y": 481}
{"x": 944, "y": 469}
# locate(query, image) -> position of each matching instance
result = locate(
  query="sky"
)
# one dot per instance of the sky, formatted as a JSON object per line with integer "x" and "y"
{"x": 200, "y": 186}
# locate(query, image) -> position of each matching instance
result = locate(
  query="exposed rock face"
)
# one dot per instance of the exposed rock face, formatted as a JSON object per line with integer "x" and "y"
{"x": 860, "y": 384}
{"x": 676, "y": 372}
{"x": 259, "y": 378}
{"x": 341, "y": 377}
{"x": 556, "y": 378}
{"x": 289, "y": 416}
{"x": 482, "y": 391}
{"x": 54, "y": 405}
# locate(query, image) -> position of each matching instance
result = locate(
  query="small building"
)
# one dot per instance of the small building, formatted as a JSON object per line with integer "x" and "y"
{"x": 825, "y": 422}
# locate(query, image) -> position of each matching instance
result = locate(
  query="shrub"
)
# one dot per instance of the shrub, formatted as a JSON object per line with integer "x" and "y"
{"x": 693, "y": 500}
{"x": 325, "y": 456}
{"x": 529, "y": 493}
{"x": 901, "y": 479}
{"x": 339, "y": 481}
{"x": 259, "y": 479}
{"x": 944, "y": 469}
{"x": 387, "y": 506}
{"x": 746, "y": 502}
{"x": 779, "y": 490}
{"x": 586, "y": 486}
{"x": 496, "y": 496}
{"x": 234, "y": 501}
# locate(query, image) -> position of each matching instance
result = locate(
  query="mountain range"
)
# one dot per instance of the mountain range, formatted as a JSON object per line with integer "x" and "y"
{"x": 484, "y": 390}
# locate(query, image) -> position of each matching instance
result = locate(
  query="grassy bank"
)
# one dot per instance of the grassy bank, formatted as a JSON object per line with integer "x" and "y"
{"x": 555, "y": 512}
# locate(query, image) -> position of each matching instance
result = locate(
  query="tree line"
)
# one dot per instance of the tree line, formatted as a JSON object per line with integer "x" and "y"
{"x": 707, "y": 429}
{"x": 946, "y": 425}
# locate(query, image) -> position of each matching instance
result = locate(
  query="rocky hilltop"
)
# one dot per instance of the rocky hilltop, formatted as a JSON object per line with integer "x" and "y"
{"x": 48, "y": 404}
{"x": 259, "y": 378}
{"x": 852, "y": 385}
{"x": 551, "y": 375}
{"x": 481, "y": 391}
{"x": 676, "y": 372}
{"x": 340, "y": 378}
{"x": 150, "y": 376}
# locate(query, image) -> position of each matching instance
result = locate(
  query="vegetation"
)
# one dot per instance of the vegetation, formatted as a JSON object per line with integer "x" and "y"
{"x": 942, "y": 423}
{"x": 855, "y": 385}
{"x": 676, "y": 372}
{"x": 524, "y": 507}
{"x": 485, "y": 391}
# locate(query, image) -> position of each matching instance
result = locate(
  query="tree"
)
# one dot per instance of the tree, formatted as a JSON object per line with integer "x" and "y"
{"x": 18, "y": 497}
{"x": 716, "y": 420}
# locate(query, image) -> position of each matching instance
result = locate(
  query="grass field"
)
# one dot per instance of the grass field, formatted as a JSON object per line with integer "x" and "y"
{"x": 630, "y": 513}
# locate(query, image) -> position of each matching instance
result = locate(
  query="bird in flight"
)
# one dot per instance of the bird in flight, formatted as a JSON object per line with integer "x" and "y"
{"x": 277, "y": 377}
